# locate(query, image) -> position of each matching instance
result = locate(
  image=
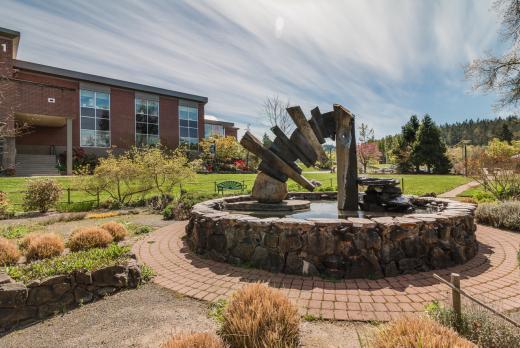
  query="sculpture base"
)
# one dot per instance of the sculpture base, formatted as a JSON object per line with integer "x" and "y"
{"x": 286, "y": 205}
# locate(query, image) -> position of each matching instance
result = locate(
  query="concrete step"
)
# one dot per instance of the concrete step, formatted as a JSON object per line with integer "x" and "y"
{"x": 36, "y": 165}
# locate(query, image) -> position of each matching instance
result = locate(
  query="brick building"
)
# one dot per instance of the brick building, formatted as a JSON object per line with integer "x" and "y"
{"x": 67, "y": 109}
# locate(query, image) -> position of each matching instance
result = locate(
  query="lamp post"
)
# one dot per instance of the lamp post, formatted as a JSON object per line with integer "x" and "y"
{"x": 465, "y": 155}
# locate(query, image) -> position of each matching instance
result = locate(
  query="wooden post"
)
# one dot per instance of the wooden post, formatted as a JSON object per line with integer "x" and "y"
{"x": 346, "y": 159}
{"x": 251, "y": 143}
{"x": 305, "y": 128}
{"x": 68, "y": 195}
{"x": 97, "y": 196}
{"x": 402, "y": 185}
{"x": 455, "y": 295}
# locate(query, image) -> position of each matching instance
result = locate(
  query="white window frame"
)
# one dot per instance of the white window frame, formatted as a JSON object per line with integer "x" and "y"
{"x": 95, "y": 107}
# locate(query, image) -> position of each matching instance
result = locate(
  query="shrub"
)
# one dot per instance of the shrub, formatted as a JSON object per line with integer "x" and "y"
{"x": 181, "y": 207}
{"x": 258, "y": 316}
{"x": 103, "y": 215}
{"x": 63, "y": 218}
{"x": 4, "y": 203}
{"x": 116, "y": 230}
{"x": 65, "y": 207}
{"x": 477, "y": 325}
{"x": 89, "y": 237}
{"x": 502, "y": 215}
{"x": 41, "y": 194}
{"x": 24, "y": 243}
{"x": 9, "y": 253}
{"x": 417, "y": 332}
{"x": 44, "y": 246}
{"x": 89, "y": 260}
{"x": 193, "y": 340}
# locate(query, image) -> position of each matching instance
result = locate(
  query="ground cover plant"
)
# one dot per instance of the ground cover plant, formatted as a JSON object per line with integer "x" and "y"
{"x": 89, "y": 237}
{"x": 194, "y": 340}
{"x": 9, "y": 253}
{"x": 417, "y": 332}
{"x": 91, "y": 260}
{"x": 205, "y": 184}
{"x": 257, "y": 316}
{"x": 477, "y": 325}
{"x": 501, "y": 215}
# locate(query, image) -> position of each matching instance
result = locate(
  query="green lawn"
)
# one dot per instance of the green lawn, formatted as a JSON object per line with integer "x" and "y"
{"x": 205, "y": 183}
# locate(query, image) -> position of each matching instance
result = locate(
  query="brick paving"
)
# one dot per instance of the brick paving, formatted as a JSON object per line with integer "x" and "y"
{"x": 492, "y": 276}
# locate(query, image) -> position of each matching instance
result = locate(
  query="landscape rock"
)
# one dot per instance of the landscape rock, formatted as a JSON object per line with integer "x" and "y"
{"x": 12, "y": 294}
{"x": 268, "y": 189}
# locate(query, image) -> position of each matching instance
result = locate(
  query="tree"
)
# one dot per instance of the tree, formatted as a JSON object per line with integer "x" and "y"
{"x": 501, "y": 74}
{"x": 429, "y": 149}
{"x": 402, "y": 152}
{"x": 222, "y": 152}
{"x": 506, "y": 134}
{"x": 368, "y": 153}
{"x": 266, "y": 141}
{"x": 410, "y": 129}
{"x": 275, "y": 110}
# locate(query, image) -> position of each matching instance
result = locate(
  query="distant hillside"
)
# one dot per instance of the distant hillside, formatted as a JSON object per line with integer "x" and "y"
{"x": 479, "y": 131}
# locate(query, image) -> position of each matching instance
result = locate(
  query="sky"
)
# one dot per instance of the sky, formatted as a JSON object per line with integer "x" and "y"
{"x": 382, "y": 59}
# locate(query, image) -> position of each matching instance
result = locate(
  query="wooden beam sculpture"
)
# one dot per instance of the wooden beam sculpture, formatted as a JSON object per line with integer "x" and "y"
{"x": 346, "y": 159}
{"x": 305, "y": 144}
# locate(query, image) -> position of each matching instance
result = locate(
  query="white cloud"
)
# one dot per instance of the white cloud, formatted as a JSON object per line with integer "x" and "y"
{"x": 368, "y": 55}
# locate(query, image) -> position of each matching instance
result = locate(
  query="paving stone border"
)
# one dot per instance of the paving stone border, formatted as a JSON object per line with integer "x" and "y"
{"x": 21, "y": 304}
{"x": 341, "y": 248}
{"x": 492, "y": 276}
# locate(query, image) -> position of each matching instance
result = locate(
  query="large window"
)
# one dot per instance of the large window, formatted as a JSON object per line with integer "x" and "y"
{"x": 146, "y": 122}
{"x": 188, "y": 124}
{"x": 213, "y": 129}
{"x": 95, "y": 118}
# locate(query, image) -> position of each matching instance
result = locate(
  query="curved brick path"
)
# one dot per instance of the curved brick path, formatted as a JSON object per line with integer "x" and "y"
{"x": 492, "y": 276}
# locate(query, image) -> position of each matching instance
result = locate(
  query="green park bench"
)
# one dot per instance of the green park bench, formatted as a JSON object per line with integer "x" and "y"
{"x": 229, "y": 185}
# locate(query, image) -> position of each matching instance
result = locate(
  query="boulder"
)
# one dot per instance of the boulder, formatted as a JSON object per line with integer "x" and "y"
{"x": 268, "y": 190}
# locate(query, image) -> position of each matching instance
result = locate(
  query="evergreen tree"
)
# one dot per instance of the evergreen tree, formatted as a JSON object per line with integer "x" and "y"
{"x": 429, "y": 149}
{"x": 266, "y": 140}
{"x": 410, "y": 129}
{"x": 506, "y": 134}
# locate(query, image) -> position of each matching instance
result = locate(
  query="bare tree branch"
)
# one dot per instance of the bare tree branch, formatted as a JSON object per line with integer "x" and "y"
{"x": 275, "y": 111}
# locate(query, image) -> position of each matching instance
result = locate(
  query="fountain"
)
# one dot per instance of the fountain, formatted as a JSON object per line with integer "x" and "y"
{"x": 326, "y": 233}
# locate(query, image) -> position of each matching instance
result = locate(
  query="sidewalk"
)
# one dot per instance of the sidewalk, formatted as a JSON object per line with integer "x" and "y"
{"x": 458, "y": 190}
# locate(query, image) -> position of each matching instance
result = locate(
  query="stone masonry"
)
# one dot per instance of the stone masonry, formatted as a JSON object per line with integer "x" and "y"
{"x": 340, "y": 248}
{"x": 21, "y": 304}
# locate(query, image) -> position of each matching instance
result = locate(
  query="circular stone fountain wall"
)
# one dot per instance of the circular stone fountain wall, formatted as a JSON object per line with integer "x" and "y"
{"x": 342, "y": 248}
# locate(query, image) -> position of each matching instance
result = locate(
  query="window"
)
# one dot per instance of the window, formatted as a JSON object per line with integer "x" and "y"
{"x": 146, "y": 122}
{"x": 189, "y": 124}
{"x": 213, "y": 129}
{"x": 95, "y": 118}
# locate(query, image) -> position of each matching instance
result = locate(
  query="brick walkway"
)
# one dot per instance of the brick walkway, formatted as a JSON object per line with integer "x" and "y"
{"x": 492, "y": 276}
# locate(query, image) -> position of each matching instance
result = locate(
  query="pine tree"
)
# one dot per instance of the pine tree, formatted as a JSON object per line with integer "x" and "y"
{"x": 429, "y": 149}
{"x": 506, "y": 134}
{"x": 266, "y": 140}
{"x": 410, "y": 129}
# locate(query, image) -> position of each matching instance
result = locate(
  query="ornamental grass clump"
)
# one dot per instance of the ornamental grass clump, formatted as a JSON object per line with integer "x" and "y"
{"x": 417, "y": 332}
{"x": 194, "y": 340}
{"x": 9, "y": 253}
{"x": 258, "y": 317}
{"x": 89, "y": 237}
{"x": 117, "y": 231}
{"x": 43, "y": 246}
{"x": 501, "y": 215}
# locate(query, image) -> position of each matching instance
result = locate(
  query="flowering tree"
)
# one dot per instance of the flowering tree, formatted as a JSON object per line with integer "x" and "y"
{"x": 368, "y": 153}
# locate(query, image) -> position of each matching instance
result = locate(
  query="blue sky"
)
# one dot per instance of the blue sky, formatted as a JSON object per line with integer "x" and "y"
{"x": 384, "y": 60}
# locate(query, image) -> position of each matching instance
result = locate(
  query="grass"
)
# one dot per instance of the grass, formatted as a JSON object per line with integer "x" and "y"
{"x": 478, "y": 194}
{"x": 16, "y": 231}
{"x": 90, "y": 260}
{"x": 217, "y": 309}
{"x": 205, "y": 183}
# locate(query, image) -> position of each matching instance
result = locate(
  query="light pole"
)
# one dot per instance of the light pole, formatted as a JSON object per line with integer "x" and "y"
{"x": 465, "y": 155}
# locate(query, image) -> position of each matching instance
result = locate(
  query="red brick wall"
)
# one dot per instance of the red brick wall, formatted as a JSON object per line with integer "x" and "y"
{"x": 201, "y": 121}
{"x": 230, "y": 132}
{"x": 122, "y": 118}
{"x": 6, "y": 58}
{"x": 169, "y": 121}
{"x": 32, "y": 99}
